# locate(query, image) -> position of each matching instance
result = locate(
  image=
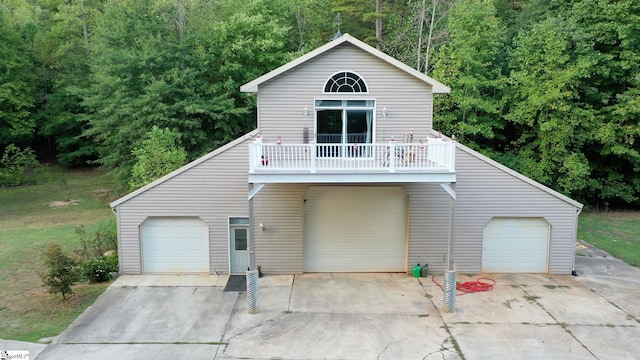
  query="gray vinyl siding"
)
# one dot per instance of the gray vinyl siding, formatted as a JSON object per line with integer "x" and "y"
{"x": 281, "y": 101}
{"x": 428, "y": 226}
{"x": 212, "y": 190}
{"x": 485, "y": 191}
{"x": 279, "y": 247}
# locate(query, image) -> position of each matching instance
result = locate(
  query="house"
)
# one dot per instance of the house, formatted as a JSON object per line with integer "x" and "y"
{"x": 344, "y": 173}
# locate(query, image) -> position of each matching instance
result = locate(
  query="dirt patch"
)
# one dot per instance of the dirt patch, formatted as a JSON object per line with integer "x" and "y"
{"x": 101, "y": 194}
{"x": 63, "y": 204}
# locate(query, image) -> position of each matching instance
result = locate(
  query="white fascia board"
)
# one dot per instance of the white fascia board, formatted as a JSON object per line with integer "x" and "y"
{"x": 437, "y": 87}
{"x": 518, "y": 175}
{"x": 327, "y": 178}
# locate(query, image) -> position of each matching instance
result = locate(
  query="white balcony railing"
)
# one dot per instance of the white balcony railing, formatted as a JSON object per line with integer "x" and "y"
{"x": 434, "y": 155}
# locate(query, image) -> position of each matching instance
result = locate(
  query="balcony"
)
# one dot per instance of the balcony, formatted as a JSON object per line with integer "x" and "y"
{"x": 430, "y": 161}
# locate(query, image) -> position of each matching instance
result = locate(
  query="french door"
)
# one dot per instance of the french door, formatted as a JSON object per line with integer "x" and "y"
{"x": 345, "y": 122}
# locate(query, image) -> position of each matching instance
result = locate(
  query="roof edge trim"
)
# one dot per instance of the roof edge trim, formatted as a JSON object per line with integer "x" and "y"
{"x": 184, "y": 168}
{"x": 516, "y": 174}
{"x": 437, "y": 87}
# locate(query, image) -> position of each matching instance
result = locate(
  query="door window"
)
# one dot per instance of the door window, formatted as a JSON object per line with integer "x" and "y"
{"x": 240, "y": 239}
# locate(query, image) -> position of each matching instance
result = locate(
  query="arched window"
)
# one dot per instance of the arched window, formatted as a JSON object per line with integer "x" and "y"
{"x": 345, "y": 82}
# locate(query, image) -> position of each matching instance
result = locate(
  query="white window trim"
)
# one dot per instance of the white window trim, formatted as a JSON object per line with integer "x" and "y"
{"x": 346, "y": 97}
{"x": 324, "y": 86}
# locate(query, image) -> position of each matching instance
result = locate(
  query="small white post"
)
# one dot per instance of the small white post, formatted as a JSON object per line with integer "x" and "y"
{"x": 392, "y": 156}
{"x": 313, "y": 148}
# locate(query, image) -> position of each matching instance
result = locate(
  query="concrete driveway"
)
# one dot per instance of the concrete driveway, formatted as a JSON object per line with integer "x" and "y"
{"x": 364, "y": 316}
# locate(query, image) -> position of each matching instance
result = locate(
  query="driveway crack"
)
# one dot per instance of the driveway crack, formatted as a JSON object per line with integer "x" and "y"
{"x": 564, "y": 326}
{"x": 387, "y": 347}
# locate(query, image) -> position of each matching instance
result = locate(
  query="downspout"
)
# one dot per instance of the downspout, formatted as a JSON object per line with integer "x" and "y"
{"x": 575, "y": 233}
{"x": 115, "y": 211}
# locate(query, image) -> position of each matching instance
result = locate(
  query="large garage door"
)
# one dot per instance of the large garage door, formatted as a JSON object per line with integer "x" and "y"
{"x": 355, "y": 229}
{"x": 175, "y": 245}
{"x": 516, "y": 245}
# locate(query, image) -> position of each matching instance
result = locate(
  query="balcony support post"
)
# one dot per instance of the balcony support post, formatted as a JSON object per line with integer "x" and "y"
{"x": 252, "y": 233}
{"x": 452, "y": 207}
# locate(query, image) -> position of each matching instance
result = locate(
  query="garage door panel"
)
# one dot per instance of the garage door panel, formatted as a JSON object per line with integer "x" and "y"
{"x": 516, "y": 245}
{"x": 349, "y": 229}
{"x": 175, "y": 245}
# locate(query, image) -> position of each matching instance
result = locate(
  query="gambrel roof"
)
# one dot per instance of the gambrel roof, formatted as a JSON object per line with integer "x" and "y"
{"x": 437, "y": 87}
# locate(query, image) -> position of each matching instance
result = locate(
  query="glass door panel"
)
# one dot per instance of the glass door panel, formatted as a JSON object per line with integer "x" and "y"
{"x": 358, "y": 131}
{"x": 329, "y": 131}
{"x": 239, "y": 253}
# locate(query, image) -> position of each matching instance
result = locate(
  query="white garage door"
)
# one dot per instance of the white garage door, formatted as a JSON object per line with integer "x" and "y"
{"x": 516, "y": 245}
{"x": 175, "y": 245}
{"x": 355, "y": 229}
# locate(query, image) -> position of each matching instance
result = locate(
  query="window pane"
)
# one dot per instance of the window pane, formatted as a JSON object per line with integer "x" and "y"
{"x": 345, "y": 82}
{"x": 359, "y": 103}
{"x": 239, "y": 221}
{"x": 241, "y": 239}
{"x": 328, "y": 103}
{"x": 329, "y": 127}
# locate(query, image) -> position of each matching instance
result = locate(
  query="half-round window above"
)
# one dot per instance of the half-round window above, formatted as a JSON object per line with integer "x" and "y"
{"x": 345, "y": 82}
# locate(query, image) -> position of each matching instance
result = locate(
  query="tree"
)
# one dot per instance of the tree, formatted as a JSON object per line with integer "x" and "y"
{"x": 363, "y": 19}
{"x": 158, "y": 155}
{"x": 414, "y": 29}
{"x": 550, "y": 125}
{"x": 17, "y": 125}
{"x": 146, "y": 72}
{"x": 612, "y": 27}
{"x": 471, "y": 64}
{"x": 62, "y": 271}
{"x": 62, "y": 54}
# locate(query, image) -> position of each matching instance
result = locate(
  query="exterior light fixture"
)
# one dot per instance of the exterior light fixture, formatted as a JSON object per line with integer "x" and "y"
{"x": 306, "y": 111}
{"x": 384, "y": 112}
{"x": 261, "y": 226}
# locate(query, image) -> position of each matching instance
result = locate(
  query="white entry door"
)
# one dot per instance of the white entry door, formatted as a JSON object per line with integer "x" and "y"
{"x": 238, "y": 246}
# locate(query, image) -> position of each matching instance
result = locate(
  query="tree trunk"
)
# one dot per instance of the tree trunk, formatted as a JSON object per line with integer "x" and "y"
{"x": 430, "y": 37}
{"x": 420, "y": 30}
{"x": 85, "y": 31}
{"x": 301, "y": 28}
{"x": 180, "y": 19}
{"x": 378, "y": 24}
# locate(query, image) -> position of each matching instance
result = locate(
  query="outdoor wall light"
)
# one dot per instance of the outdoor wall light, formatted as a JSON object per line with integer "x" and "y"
{"x": 306, "y": 111}
{"x": 384, "y": 111}
{"x": 261, "y": 226}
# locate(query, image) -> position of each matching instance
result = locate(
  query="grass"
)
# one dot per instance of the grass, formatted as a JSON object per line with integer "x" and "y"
{"x": 27, "y": 225}
{"x": 556, "y": 286}
{"x": 616, "y": 232}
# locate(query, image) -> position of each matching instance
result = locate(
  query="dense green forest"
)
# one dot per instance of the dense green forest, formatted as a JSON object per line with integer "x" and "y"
{"x": 550, "y": 88}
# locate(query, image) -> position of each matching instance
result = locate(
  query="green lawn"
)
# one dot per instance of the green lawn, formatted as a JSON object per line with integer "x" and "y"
{"x": 28, "y": 223}
{"x": 616, "y": 232}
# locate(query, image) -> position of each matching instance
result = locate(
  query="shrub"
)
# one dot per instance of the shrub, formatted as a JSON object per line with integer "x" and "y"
{"x": 62, "y": 271}
{"x": 15, "y": 165}
{"x": 103, "y": 240}
{"x": 99, "y": 269}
